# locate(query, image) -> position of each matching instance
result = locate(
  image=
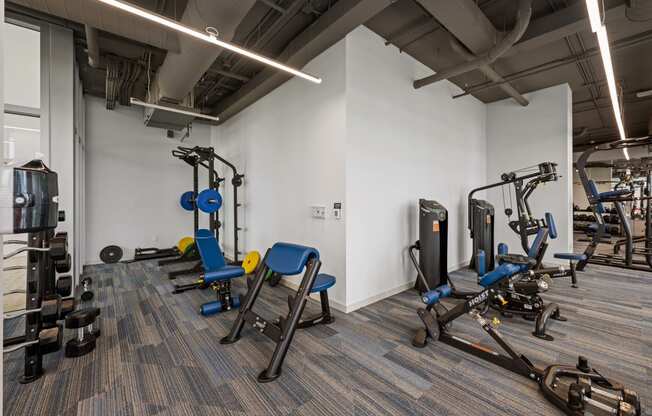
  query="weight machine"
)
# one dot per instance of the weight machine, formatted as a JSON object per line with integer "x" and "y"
{"x": 635, "y": 258}
{"x": 481, "y": 212}
{"x": 205, "y": 157}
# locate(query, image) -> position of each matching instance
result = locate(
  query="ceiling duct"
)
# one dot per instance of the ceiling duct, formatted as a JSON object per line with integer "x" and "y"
{"x": 92, "y": 46}
{"x": 180, "y": 72}
{"x": 466, "y": 22}
{"x": 105, "y": 18}
{"x": 489, "y": 72}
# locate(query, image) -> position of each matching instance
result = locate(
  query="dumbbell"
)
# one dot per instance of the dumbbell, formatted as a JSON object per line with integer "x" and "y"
{"x": 85, "y": 285}
{"x": 82, "y": 320}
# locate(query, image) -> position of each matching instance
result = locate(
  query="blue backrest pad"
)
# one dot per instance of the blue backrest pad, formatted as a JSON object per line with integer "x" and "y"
{"x": 552, "y": 227}
{"x": 501, "y": 272}
{"x": 503, "y": 248}
{"x": 536, "y": 244}
{"x": 209, "y": 250}
{"x": 289, "y": 259}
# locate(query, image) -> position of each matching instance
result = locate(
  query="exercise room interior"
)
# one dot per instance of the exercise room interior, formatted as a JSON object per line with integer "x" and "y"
{"x": 326, "y": 207}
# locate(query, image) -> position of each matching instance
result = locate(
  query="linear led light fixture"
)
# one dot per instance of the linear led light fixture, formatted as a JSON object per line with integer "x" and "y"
{"x": 174, "y": 25}
{"x": 21, "y": 128}
{"x": 136, "y": 101}
{"x": 600, "y": 30}
{"x": 643, "y": 94}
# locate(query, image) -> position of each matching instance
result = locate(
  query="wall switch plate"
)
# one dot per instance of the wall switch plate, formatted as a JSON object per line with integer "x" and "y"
{"x": 337, "y": 210}
{"x": 318, "y": 211}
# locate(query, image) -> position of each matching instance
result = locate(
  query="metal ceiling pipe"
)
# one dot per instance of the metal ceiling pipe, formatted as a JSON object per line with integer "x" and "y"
{"x": 107, "y": 19}
{"x": 489, "y": 72}
{"x": 181, "y": 71}
{"x": 523, "y": 16}
{"x": 92, "y": 46}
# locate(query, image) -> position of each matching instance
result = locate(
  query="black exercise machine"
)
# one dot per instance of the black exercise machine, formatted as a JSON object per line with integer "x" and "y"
{"x": 519, "y": 297}
{"x": 481, "y": 212}
{"x": 481, "y": 220}
{"x": 635, "y": 258}
{"x": 577, "y": 390}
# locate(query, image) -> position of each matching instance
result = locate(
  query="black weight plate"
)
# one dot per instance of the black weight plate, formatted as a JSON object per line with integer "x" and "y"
{"x": 111, "y": 254}
{"x": 58, "y": 247}
{"x": 63, "y": 266}
{"x": 64, "y": 285}
{"x": 76, "y": 348}
{"x": 81, "y": 318}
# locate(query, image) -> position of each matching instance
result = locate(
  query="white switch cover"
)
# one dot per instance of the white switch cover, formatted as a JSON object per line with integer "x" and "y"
{"x": 318, "y": 211}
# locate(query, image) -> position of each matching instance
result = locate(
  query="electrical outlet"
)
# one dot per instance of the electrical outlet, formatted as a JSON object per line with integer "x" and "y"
{"x": 318, "y": 211}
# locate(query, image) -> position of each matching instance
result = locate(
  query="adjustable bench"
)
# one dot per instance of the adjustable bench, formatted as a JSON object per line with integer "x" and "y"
{"x": 287, "y": 260}
{"x": 217, "y": 275}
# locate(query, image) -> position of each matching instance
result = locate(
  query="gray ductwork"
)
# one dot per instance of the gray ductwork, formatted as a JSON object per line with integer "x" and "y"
{"x": 523, "y": 16}
{"x": 181, "y": 71}
{"x": 92, "y": 46}
{"x": 106, "y": 18}
{"x": 489, "y": 72}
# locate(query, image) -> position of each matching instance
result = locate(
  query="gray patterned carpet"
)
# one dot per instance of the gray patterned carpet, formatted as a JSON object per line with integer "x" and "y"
{"x": 156, "y": 356}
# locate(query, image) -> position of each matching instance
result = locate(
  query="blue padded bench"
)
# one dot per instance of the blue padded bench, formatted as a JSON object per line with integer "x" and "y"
{"x": 284, "y": 259}
{"x": 217, "y": 274}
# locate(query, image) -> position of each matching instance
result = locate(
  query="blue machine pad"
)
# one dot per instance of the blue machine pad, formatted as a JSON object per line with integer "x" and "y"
{"x": 289, "y": 259}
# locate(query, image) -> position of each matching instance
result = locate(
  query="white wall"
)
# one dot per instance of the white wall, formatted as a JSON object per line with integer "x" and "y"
{"x": 403, "y": 144}
{"x": 367, "y": 139}
{"x": 518, "y": 137}
{"x": 290, "y": 146}
{"x": 133, "y": 183}
{"x": 23, "y": 69}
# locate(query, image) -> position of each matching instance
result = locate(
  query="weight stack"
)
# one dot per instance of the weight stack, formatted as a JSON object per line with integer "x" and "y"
{"x": 482, "y": 217}
{"x": 433, "y": 244}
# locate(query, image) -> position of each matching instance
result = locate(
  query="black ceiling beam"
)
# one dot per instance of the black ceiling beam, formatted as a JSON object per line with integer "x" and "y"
{"x": 547, "y": 66}
{"x": 328, "y": 29}
{"x": 562, "y": 23}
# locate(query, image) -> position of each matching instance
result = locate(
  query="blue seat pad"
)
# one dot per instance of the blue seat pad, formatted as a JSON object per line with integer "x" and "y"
{"x": 571, "y": 256}
{"x": 322, "y": 282}
{"x": 289, "y": 259}
{"x": 612, "y": 194}
{"x": 501, "y": 272}
{"x": 225, "y": 273}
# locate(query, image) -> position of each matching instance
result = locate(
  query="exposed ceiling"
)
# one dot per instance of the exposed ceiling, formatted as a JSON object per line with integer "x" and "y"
{"x": 556, "y": 47}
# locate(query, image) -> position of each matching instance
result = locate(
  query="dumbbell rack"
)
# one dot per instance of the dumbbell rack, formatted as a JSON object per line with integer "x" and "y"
{"x": 39, "y": 267}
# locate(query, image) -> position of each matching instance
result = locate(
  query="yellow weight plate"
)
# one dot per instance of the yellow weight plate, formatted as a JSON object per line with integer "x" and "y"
{"x": 185, "y": 243}
{"x": 251, "y": 261}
